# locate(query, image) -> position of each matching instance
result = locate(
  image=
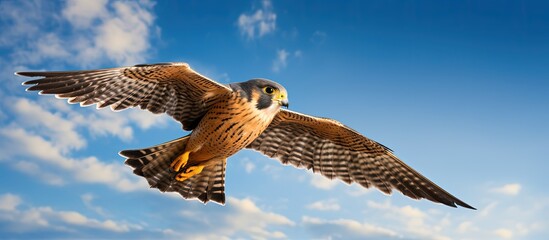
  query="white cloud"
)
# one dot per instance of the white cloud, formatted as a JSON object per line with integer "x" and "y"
{"x": 239, "y": 218}
{"x": 356, "y": 190}
{"x": 318, "y": 37}
{"x": 512, "y": 189}
{"x": 35, "y": 218}
{"x": 97, "y": 31}
{"x": 43, "y": 136}
{"x": 486, "y": 211}
{"x": 248, "y": 217}
{"x": 504, "y": 233}
{"x": 107, "y": 122}
{"x": 58, "y": 123}
{"x": 248, "y": 165}
{"x": 273, "y": 169}
{"x": 35, "y": 170}
{"x": 20, "y": 142}
{"x": 322, "y": 182}
{"x": 280, "y": 61}
{"x": 20, "y": 18}
{"x": 492, "y": 220}
{"x": 50, "y": 46}
{"x": 345, "y": 229}
{"x": 53, "y": 125}
{"x": 9, "y": 202}
{"x": 51, "y": 129}
{"x": 87, "y": 199}
{"x": 82, "y": 13}
{"x": 259, "y": 23}
{"x": 327, "y": 205}
{"x": 124, "y": 35}
{"x": 145, "y": 119}
{"x": 89, "y": 169}
{"x": 412, "y": 220}
{"x": 466, "y": 226}
{"x": 48, "y": 142}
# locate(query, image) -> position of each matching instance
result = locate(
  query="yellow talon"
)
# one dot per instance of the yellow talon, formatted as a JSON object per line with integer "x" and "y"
{"x": 180, "y": 161}
{"x": 191, "y": 171}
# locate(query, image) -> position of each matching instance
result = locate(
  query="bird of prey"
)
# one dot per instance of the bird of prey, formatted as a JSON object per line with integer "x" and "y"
{"x": 223, "y": 119}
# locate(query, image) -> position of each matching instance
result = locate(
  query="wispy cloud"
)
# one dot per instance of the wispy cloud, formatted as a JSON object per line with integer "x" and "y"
{"x": 40, "y": 148}
{"x": 82, "y": 13}
{"x": 318, "y": 37}
{"x": 24, "y": 144}
{"x": 466, "y": 226}
{"x": 280, "y": 61}
{"x": 33, "y": 169}
{"x": 240, "y": 217}
{"x": 321, "y": 182}
{"x": 43, "y": 136}
{"x": 19, "y": 218}
{"x": 250, "y": 218}
{"x": 355, "y": 190}
{"x": 82, "y": 33}
{"x": 345, "y": 229}
{"x": 124, "y": 35}
{"x": 412, "y": 220}
{"x": 248, "y": 165}
{"x": 504, "y": 233}
{"x": 87, "y": 199}
{"x": 490, "y": 223}
{"x": 23, "y": 19}
{"x": 53, "y": 125}
{"x": 282, "y": 57}
{"x": 9, "y": 202}
{"x": 326, "y": 205}
{"x": 511, "y": 189}
{"x": 259, "y": 23}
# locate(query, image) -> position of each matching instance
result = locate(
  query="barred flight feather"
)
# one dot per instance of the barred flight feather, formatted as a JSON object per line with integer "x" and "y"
{"x": 336, "y": 151}
{"x": 173, "y": 88}
{"x": 323, "y": 145}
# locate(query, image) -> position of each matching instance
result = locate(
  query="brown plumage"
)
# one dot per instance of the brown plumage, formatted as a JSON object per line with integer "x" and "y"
{"x": 226, "y": 119}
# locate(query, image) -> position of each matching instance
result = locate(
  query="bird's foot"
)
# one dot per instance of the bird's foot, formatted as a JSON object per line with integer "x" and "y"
{"x": 180, "y": 161}
{"x": 191, "y": 171}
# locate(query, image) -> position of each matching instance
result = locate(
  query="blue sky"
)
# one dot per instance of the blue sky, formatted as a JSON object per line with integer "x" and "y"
{"x": 459, "y": 90}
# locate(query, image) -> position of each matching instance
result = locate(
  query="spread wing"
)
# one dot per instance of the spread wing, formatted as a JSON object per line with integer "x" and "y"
{"x": 172, "y": 88}
{"x": 337, "y": 151}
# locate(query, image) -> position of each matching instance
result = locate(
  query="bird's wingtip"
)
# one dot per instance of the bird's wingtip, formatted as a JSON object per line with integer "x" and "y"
{"x": 465, "y": 205}
{"x": 24, "y": 74}
{"x": 470, "y": 207}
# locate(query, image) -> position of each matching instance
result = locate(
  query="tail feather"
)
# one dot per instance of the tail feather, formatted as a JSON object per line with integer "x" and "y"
{"x": 154, "y": 165}
{"x": 208, "y": 185}
{"x": 142, "y": 158}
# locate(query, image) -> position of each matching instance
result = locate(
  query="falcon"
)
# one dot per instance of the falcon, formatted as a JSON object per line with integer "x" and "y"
{"x": 223, "y": 119}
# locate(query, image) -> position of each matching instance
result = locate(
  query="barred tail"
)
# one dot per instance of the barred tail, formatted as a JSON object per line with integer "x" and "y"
{"x": 154, "y": 165}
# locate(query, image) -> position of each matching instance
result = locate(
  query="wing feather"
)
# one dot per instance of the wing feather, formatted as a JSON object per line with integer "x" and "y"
{"x": 172, "y": 88}
{"x": 337, "y": 151}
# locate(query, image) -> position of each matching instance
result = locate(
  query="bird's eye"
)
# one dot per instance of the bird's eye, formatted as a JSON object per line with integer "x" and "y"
{"x": 268, "y": 90}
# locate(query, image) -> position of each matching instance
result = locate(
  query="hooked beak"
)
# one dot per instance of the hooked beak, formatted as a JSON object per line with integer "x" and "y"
{"x": 284, "y": 103}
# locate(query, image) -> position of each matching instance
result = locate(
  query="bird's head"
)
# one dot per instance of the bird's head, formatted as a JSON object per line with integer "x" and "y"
{"x": 266, "y": 93}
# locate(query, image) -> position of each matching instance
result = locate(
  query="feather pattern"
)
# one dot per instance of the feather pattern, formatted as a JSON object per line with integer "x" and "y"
{"x": 336, "y": 151}
{"x": 173, "y": 88}
{"x": 323, "y": 145}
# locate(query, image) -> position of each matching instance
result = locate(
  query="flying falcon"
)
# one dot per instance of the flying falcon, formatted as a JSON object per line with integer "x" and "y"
{"x": 223, "y": 119}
